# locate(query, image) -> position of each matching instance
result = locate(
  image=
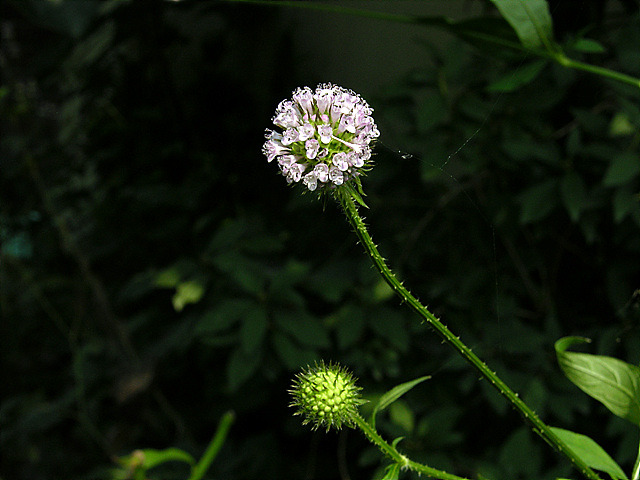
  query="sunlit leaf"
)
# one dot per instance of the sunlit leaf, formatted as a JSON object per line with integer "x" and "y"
{"x": 153, "y": 458}
{"x": 529, "y": 18}
{"x": 392, "y": 395}
{"x": 591, "y": 453}
{"x": 611, "y": 381}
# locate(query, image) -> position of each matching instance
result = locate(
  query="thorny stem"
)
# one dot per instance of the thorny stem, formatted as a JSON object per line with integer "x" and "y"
{"x": 537, "y": 425}
{"x": 396, "y": 456}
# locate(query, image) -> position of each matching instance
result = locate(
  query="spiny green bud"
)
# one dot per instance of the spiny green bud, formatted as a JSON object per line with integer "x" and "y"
{"x": 326, "y": 395}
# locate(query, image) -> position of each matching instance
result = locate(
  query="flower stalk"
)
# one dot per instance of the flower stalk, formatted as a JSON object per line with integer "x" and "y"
{"x": 537, "y": 425}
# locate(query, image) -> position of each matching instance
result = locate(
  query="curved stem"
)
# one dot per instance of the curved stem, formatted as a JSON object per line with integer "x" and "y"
{"x": 214, "y": 446}
{"x": 529, "y": 415}
{"x": 396, "y": 456}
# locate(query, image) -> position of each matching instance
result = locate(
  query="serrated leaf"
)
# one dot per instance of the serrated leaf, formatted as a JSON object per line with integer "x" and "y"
{"x": 392, "y": 395}
{"x": 530, "y": 19}
{"x": 590, "y": 452}
{"x": 624, "y": 168}
{"x": 614, "y": 383}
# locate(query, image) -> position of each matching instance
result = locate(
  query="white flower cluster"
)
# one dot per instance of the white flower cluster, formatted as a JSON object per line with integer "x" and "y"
{"x": 326, "y": 136}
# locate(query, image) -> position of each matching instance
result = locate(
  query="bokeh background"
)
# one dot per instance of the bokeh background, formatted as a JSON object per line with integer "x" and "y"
{"x": 156, "y": 272}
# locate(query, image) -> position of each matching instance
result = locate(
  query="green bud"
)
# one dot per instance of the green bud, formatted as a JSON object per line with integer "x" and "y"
{"x": 326, "y": 395}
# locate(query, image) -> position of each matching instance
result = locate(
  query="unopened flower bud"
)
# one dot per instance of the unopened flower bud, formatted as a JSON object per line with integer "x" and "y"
{"x": 326, "y": 396}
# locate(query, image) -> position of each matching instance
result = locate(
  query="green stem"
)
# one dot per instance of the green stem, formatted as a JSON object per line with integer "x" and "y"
{"x": 214, "y": 447}
{"x": 396, "y": 456}
{"x": 529, "y": 415}
{"x": 601, "y": 71}
{"x": 635, "y": 475}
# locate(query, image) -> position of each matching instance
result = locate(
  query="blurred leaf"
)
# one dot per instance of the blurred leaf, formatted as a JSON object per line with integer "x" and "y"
{"x": 392, "y": 326}
{"x": 153, "y": 458}
{"x": 241, "y": 367}
{"x": 253, "y": 329}
{"x": 518, "y": 78}
{"x": 402, "y": 416}
{"x": 168, "y": 278}
{"x": 291, "y": 354}
{"x": 68, "y": 18}
{"x": 350, "y": 325}
{"x": 538, "y": 201}
{"x": 392, "y": 395}
{"x": 590, "y": 452}
{"x": 624, "y": 202}
{"x": 587, "y": 45}
{"x": 624, "y": 168}
{"x": 186, "y": 293}
{"x": 520, "y": 456}
{"x": 611, "y": 381}
{"x": 621, "y": 126}
{"x": 304, "y": 328}
{"x": 574, "y": 195}
{"x": 249, "y": 274}
{"x": 224, "y": 314}
{"x": 430, "y": 110}
{"x": 530, "y": 19}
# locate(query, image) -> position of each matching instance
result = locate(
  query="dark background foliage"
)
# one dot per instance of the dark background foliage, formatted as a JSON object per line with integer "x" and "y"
{"x": 156, "y": 272}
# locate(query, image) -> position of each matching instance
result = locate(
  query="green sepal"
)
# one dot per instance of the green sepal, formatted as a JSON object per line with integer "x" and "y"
{"x": 392, "y": 472}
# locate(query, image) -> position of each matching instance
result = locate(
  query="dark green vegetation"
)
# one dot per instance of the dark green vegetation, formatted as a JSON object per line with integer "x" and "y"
{"x": 156, "y": 272}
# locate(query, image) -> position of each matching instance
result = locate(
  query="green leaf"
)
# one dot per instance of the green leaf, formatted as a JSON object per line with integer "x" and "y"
{"x": 591, "y": 453}
{"x": 611, "y": 381}
{"x": 291, "y": 354}
{"x": 392, "y": 395}
{"x": 392, "y": 472}
{"x": 153, "y": 458}
{"x": 538, "y": 201}
{"x": 241, "y": 366}
{"x": 624, "y": 168}
{"x": 223, "y": 315}
{"x": 624, "y": 201}
{"x": 621, "y": 125}
{"x": 529, "y": 18}
{"x": 253, "y": 329}
{"x": 574, "y": 195}
{"x": 186, "y": 293}
{"x": 306, "y": 329}
{"x": 401, "y": 415}
{"x": 586, "y": 45}
{"x": 516, "y": 79}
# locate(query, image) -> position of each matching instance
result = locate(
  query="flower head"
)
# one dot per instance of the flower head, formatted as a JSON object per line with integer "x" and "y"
{"x": 326, "y": 395}
{"x": 325, "y": 137}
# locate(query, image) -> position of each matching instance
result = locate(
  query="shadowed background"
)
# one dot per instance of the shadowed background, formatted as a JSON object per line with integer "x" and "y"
{"x": 156, "y": 272}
